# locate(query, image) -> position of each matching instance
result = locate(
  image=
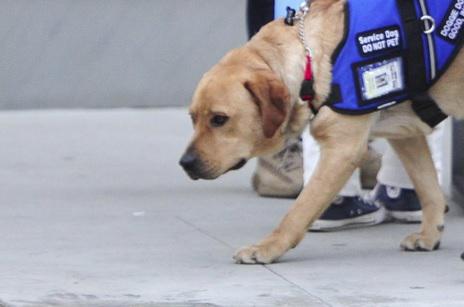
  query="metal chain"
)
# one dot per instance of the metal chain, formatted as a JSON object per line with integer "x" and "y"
{"x": 304, "y": 9}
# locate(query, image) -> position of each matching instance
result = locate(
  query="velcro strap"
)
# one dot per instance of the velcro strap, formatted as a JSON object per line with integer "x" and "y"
{"x": 427, "y": 110}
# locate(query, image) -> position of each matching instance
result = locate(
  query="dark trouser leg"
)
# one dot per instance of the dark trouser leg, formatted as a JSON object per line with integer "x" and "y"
{"x": 259, "y": 12}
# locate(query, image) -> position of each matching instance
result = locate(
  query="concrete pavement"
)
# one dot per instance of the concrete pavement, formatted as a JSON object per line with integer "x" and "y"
{"x": 96, "y": 212}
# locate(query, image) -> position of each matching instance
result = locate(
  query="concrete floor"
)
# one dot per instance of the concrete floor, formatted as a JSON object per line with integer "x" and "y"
{"x": 96, "y": 212}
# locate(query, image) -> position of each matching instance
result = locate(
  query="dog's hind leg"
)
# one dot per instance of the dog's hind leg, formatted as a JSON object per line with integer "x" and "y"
{"x": 415, "y": 155}
{"x": 343, "y": 140}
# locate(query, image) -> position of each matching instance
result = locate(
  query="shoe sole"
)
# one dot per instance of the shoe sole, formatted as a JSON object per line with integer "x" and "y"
{"x": 405, "y": 216}
{"x": 370, "y": 219}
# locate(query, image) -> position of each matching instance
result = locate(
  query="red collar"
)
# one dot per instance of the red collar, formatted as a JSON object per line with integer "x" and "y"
{"x": 307, "y": 87}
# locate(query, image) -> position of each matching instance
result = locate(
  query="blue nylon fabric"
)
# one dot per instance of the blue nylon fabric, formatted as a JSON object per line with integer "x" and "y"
{"x": 426, "y": 47}
{"x": 443, "y": 48}
{"x": 365, "y": 16}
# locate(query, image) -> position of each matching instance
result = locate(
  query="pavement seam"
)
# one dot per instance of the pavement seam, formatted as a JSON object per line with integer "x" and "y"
{"x": 293, "y": 284}
{"x": 204, "y": 232}
{"x": 280, "y": 276}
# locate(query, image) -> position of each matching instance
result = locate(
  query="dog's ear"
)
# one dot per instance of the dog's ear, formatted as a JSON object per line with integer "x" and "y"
{"x": 272, "y": 98}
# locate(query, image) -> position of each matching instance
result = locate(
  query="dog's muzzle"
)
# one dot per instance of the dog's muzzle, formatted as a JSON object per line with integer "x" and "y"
{"x": 191, "y": 164}
{"x": 239, "y": 165}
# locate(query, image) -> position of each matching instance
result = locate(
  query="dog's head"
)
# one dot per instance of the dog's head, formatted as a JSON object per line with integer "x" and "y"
{"x": 236, "y": 112}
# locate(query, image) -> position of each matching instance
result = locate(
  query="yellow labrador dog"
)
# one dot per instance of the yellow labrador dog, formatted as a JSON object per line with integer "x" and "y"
{"x": 248, "y": 105}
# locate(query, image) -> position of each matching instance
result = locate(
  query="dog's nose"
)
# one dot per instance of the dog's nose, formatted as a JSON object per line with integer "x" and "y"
{"x": 188, "y": 161}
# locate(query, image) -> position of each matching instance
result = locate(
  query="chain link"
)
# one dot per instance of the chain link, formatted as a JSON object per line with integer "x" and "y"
{"x": 304, "y": 8}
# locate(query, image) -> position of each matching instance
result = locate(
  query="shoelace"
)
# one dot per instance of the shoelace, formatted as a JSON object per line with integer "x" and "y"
{"x": 370, "y": 199}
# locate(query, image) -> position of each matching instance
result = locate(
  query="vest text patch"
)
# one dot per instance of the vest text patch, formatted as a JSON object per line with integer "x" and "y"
{"x": 379, "y": 40}
{"x": 451, "y": 28}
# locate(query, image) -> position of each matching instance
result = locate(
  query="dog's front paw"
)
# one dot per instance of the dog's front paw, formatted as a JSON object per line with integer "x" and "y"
{"x": 263, "y": 253}
{"x": 421, "y": 242}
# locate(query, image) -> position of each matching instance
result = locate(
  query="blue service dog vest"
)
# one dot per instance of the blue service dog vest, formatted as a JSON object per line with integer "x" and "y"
{"x": 373, "y": 67}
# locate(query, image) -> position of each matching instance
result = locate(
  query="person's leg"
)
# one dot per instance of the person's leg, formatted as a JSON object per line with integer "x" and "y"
{"x": 259, "y": 12}
{"x": 395, "y": 190}
{"x": 348, "y": 209}
{"x": 392, "y": 171}
{"x": 311, "y": 152}
{"x": 281, "y": 174}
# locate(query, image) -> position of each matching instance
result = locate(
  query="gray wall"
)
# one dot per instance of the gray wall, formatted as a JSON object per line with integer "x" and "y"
{"x": 111, "y": 53}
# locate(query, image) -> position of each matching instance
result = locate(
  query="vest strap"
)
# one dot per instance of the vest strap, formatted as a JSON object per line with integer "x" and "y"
{"x": 415, "y": 59}
{"x": 427, "y": 110}
{"x": 422, "y": 104}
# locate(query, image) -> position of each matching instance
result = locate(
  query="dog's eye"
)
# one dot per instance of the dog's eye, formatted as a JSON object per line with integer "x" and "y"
{"x": 219, "y": 120}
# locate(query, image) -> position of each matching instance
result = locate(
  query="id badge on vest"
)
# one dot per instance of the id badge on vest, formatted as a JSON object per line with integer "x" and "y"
{"x": 381, "y": 78}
